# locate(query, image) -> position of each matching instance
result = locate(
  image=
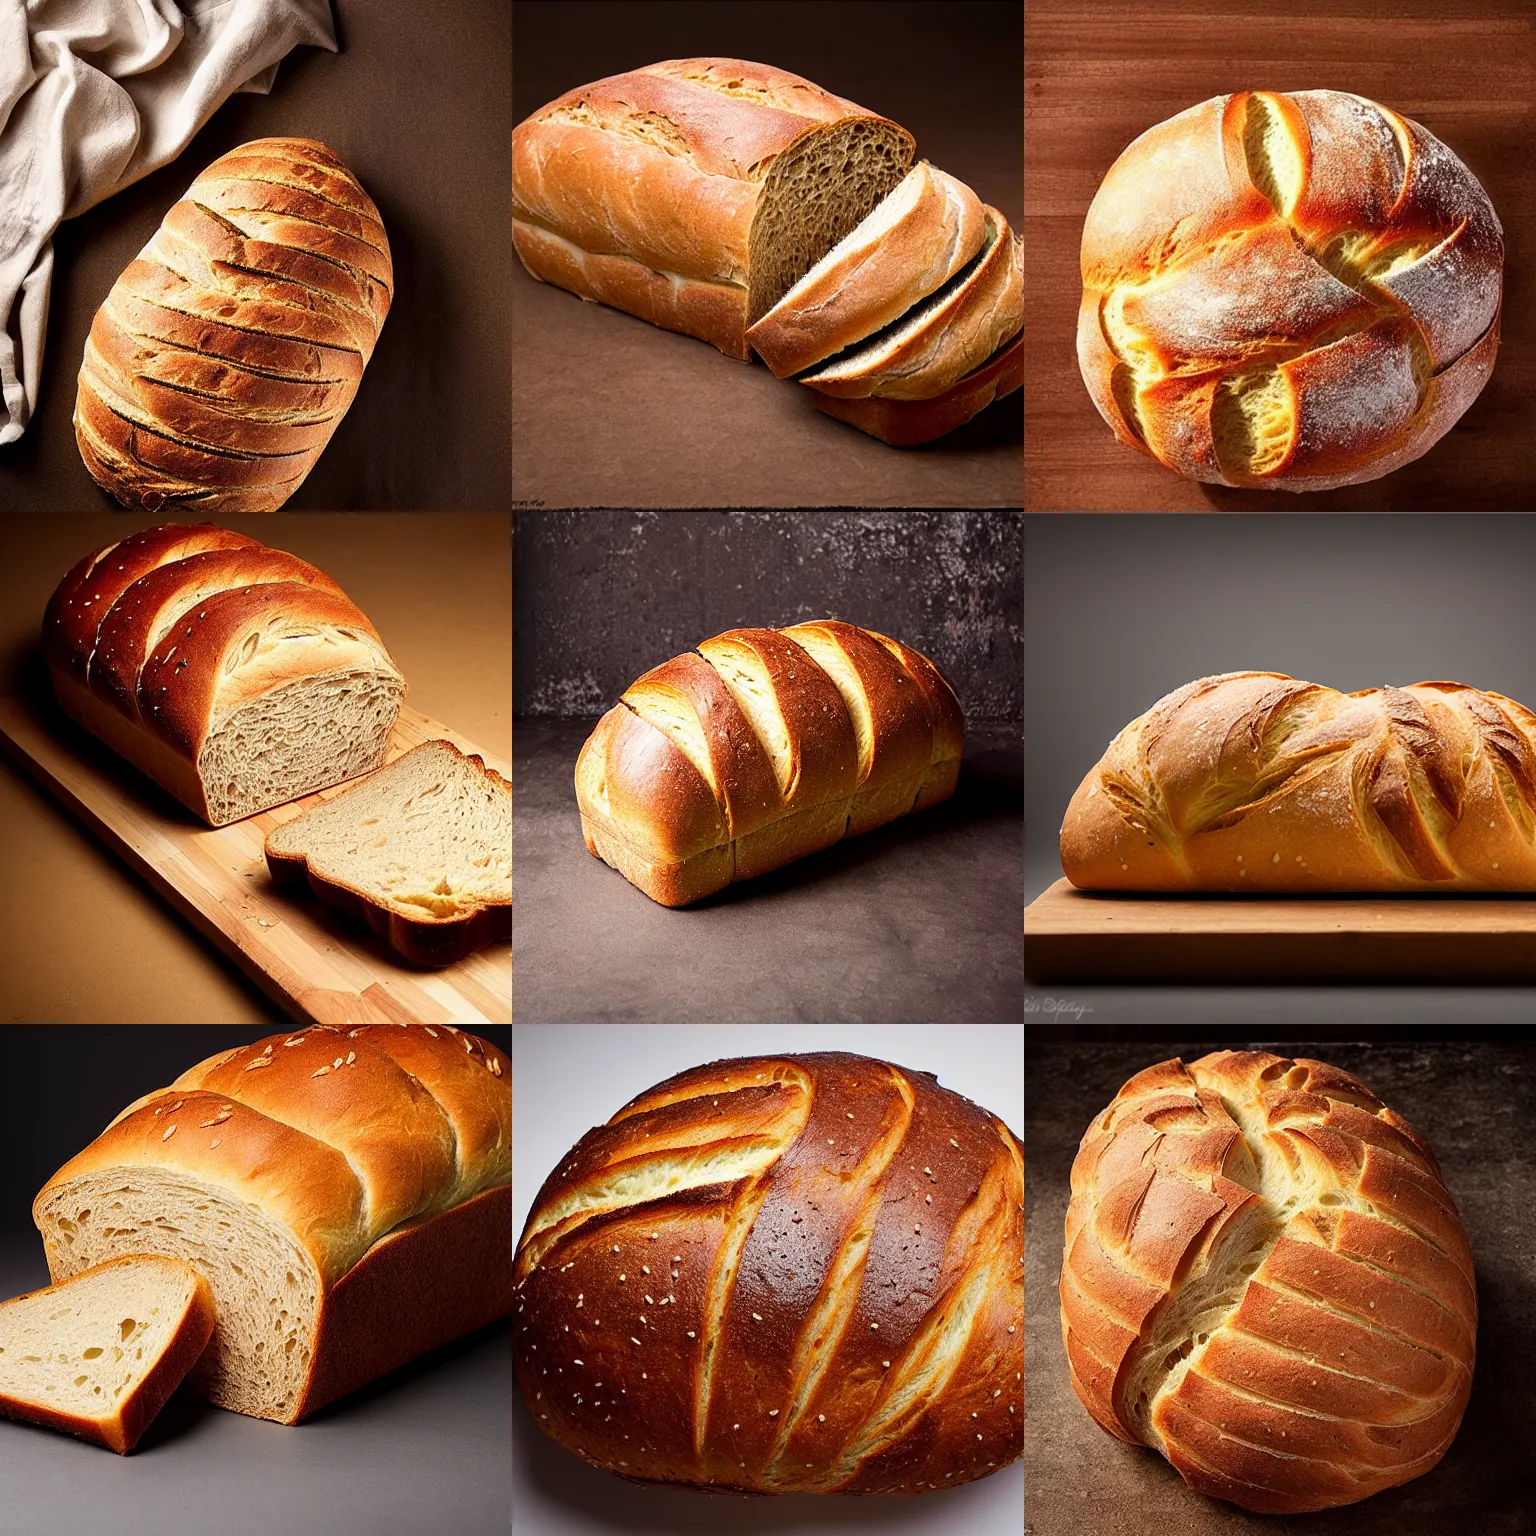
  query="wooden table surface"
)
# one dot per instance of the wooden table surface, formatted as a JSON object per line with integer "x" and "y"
{"x": 1096, "y": 76}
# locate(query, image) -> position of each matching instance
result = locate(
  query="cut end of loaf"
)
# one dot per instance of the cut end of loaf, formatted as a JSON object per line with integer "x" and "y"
{"x": 817, "y": 191}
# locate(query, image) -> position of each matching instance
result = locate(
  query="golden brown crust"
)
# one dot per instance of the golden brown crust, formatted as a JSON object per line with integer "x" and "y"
{"x": 1266, "y": 1280}
{"x": 697, "y": 777}
{"x": 1314, "y": 255}
{"x": 225, "y": 354}
{"x": 1253, "y": 781}
{"x": 798, "y": 1273}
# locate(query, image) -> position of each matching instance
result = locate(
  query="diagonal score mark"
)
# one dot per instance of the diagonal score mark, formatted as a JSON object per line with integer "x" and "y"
{"x": 838, "y": 1298}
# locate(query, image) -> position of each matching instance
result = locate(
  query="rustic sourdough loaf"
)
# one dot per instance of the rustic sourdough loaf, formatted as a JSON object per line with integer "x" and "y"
{"x": 1288, "y": 290}
{"x": 695, "y": 192}
{"x": 420, "y": 850}
{"x": 98, "y": 1355}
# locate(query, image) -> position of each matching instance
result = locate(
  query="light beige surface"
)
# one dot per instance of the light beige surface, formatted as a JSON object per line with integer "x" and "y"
{"x": 81, "y": 939}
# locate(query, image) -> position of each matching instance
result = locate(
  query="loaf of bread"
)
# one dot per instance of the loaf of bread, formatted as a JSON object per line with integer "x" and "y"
{"x": 946, "y": 336}
{"x": 906, "y": 423}
{"x": 236, "y": 676}
{"x": 1288, "y": 291}
{"x": 420, "y": 851}
{"x": 98, "y": 1355}
{"x": 760, "y": 747}
{"x": 1266, "y": 1280}
{"x": 228, "y": 350}
{"x": 345, "y": 1194}
{"x": 911, "y": 244}
{"x": 694, "y": 192}
{"x": 1253, "y": 781}
{"x": 781, "y": 1274}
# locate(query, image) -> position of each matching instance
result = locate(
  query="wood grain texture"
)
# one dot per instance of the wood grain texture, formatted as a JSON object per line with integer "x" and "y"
{"x": 1097, "y": 77}
{"x": 316, "y": 966}
{"x": 1090, "y": 937}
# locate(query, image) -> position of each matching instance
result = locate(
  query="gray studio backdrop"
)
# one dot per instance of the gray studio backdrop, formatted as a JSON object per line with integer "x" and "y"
{"x": 600, "y": 597}
{"x": 1121, "y": 610}
{"x": 423, "y": 1450}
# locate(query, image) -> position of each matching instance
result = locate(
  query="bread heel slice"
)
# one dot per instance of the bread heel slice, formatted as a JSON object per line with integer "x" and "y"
{"x": 98, "y": 1355}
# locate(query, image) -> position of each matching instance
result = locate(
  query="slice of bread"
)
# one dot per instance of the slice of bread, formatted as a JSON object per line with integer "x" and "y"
{"x": 420, "y": 850}
{"x": 945, "y": 336}
{"x": 99, "y": 1354}
{"x": 912, "y": 243}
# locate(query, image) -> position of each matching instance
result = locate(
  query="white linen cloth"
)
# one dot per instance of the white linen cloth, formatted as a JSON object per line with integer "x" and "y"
{"x": 93, "y": 95}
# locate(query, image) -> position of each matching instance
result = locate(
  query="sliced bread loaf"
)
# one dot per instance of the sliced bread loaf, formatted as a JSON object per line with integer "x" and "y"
{"x": 420, "y": 850}
{"x": 944, "y": 337}
{"x": 99, "y": 1354}
{"x": 912, "y": 243}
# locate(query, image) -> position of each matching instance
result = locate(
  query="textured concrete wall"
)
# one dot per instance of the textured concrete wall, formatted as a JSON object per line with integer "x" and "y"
{"x": 600, "y": 597}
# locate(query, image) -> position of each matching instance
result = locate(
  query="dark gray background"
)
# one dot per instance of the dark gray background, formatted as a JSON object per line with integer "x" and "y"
{"x": 422, "y": 1450}
{"x": 1122, "y": 610}
{"x": 918, "y": 920}
{"x": 1474, "y": 1103}
{"x": 417, "y": 105}
{"x": 600, "y": 597}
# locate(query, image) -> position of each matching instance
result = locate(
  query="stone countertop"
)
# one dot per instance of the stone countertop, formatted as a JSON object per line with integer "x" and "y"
{"x": 920, "y": 920}
{"x": 1474, "y": 1103}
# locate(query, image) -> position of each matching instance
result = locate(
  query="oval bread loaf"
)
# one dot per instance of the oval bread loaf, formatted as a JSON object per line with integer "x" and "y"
{"x": 1266, "y": 1280}
{"x": 1290, "y": 291}
{"x": 781, "y": 1274}
{"x": 229, "y": 349}
{"x": 1254, "y": 781}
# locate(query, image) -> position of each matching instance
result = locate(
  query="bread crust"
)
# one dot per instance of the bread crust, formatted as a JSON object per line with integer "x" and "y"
{"x": 798, "y": 1247}
{"x": 388, "y": 1165}
{"x": 910, "y": 423}
{"x": 683, "y": 791}
{"x": 662, "y": 169}
{"x": 156, "y": 644}
{"x": 1253, "y": 781}
{"x": 225, "y": 354}
{"x": 1315, "y": 252}
{"x": 120, "y": 1427}
{"x": 1265, "y": 1279}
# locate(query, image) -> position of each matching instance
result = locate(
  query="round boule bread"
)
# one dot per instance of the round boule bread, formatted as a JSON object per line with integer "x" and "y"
{"x": 1266, "y": 1280}
{"x": 1288, "y": 291}
{"x": 781, "y": 1274}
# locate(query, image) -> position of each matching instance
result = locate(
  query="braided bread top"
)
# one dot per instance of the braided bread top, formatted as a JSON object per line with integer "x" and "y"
{"x": 1254, "y": 781}
{"x": 1288, "y": 291}
{"x": 781, "y": 1274}
{"x": 1266, "y": 1280}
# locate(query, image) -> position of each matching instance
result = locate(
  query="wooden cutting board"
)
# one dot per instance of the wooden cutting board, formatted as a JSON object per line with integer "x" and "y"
{"x": 1073, "y": 935}
{"x": 315, "y": 964}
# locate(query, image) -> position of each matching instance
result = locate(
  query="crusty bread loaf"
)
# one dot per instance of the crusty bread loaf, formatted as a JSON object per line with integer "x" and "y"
{"x": 907, "y": 423}
{"x": 228, "y": 350}
{"x": 694, "y": 192}
{"x": 946, "y": 336}
{"x": 421, "y": 851}
{"x": 913, "y": 242}
{"x": 1266, "y": 1280}
{"x": 345, "y": 1194}
{"x": 98, "y": 1355}
{"x": 782, "y": 1274}
{"x": 761, "y": 747}
{"x": 236, "y": 676}
{"x": 1288, "y": 291}
{"x": 1253, "y": 781}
